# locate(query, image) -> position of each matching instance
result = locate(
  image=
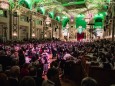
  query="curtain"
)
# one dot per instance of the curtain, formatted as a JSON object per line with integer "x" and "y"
{"x": 80, "y": 36}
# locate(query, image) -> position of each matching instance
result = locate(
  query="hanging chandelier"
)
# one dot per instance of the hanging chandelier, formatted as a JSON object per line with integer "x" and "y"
{"x": 48, "y": 20}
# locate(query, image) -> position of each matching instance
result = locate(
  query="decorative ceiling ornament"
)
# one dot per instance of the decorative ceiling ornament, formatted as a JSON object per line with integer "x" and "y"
{"x": 4, "y": 4}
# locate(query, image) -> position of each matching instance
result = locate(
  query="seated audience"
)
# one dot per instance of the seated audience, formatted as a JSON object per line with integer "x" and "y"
{"x": 3, "y": 79}
{"x": 53, "y": 78}
{"x": 27, "y": 81}
{"x": 14, "y": 77}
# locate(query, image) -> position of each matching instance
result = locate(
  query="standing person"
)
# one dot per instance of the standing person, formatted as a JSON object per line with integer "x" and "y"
{"x": 54, "y": 52}
{"x": 14, "y": 76}
{"x": 44, "y": 60}
{"x": 21, "y": 57}
{"x": 27, "y": 81}
{"x": 53, "y": 78}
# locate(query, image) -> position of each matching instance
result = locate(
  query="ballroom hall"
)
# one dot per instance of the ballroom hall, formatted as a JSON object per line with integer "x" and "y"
{"x": 57, "y": 42}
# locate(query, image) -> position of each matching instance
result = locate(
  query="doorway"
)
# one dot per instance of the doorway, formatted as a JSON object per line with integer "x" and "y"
{"x": 23, "y": 33}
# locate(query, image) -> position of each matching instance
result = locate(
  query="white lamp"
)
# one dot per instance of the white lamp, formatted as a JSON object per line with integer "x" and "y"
{"x": 14, "y": 34}
{"x": 45, "y": 35}
{"x": 33, "y": 34}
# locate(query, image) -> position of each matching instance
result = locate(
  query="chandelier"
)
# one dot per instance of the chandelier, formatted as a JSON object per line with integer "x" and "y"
{"x": 48, "y": 20}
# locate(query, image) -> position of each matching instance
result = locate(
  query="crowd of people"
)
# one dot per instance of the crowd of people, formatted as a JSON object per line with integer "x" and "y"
{"x": 25, "y": 64}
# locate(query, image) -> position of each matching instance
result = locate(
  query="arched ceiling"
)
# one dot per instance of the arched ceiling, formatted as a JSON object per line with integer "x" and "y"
{"x": 73, "y": 7}
{"x": 67, "y": 7}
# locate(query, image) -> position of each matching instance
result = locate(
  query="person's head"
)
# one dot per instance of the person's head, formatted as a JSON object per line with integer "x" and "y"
{"x": 88, "y": 81}
{"x": 52, "y": 74}
{"x": 26, "y": 65}
{"x": 15, "y": 71}
{"x": 32, "y": 71}
{"x": 3, "y": 79}
{"x": 27, "y": 81}
{"x": 20, "y": 52}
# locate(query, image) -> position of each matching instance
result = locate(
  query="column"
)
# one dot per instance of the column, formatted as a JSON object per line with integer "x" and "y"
{"x": 30, "y": 31}
{"x": 15, "y": 26}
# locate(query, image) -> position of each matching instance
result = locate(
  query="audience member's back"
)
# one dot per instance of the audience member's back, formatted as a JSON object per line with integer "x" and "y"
{"x": 53, "y": 78}
{"x": 3, "y": 79}
{"x": 27, "y": 81}
{"x": 88, "y": 81}
{"x": 14, "y": 77}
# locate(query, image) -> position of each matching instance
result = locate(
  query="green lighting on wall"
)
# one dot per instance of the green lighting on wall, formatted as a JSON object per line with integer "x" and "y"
{"x": 58, "y": 18}
{"x": 41, "y": 10}
{"x": 77, "y": 2}
{"x": 27, "y": 3}
{"x": 99, "y": 18}
{"x": 80, "y": 21}
{"x": 65, "y": 21}
{"x": 51, "y": 15}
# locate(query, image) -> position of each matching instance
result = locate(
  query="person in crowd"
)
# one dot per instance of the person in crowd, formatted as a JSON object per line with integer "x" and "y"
{"x": 21, "y": 57}
{"x": 27, "y": 81}
{"x": 5, "y": 60}
{"x": 39, "y": 76}
{"x": 24, "y": 70}
{"x": 45, "y": 61}
{"x": 88, "y": 81}
{"x": 33, "y": 74}
{"x": 14, "y": 77}
{"x": 67, "y": 55}
{"x": 15, "y": 58}
{"x": 54, "y": 52}
{"x": 3, "y": 79}
{"x": 53, "y": 78}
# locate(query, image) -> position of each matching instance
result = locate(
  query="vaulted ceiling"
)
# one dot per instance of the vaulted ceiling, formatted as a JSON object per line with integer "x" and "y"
{"x": 73, "y": 7}
{"x": 66, "y": 8}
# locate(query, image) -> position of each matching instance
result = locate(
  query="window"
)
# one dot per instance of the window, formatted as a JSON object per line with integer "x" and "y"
{"x": 24, "y": 18}
{"x": 38, "y": 22}
{"x": 3, "y": 13}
